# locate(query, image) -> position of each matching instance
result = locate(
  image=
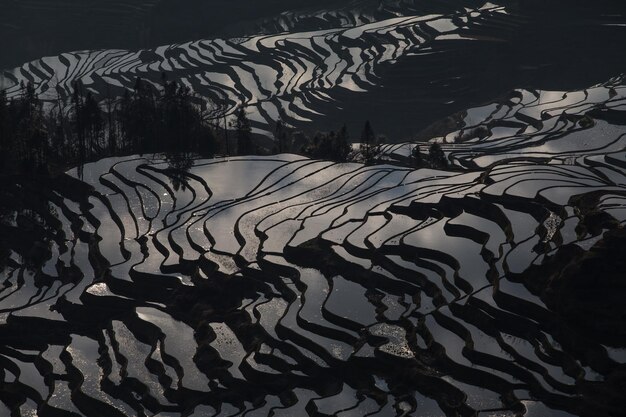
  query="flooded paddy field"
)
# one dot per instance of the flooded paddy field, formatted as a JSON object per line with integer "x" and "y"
{"x": 401, "y": 64}
{"x": 280, "y": 285}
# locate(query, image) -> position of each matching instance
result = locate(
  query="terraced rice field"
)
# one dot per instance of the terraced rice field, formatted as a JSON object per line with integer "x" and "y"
{"x": 400, "y": 64}
{"x": 295, "y": 76}
{"x": 284, "y": 286}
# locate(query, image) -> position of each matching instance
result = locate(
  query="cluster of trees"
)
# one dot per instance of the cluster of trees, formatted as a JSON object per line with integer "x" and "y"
{"x": 23, "y": 130}
{"x": 329, "y": 145}
{"x": 166, "y": 118}
{"x": 435, "y": 158}
{"x": 335, "y": 145}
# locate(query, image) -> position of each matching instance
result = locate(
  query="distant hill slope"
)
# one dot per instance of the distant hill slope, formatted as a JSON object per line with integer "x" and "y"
{"x": 392, "y": 63}
{"x": 36, "y": 28}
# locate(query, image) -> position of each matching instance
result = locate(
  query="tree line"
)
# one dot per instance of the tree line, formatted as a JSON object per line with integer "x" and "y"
{"x": 153, "y": 118}
{"x": 165, "y": 118}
